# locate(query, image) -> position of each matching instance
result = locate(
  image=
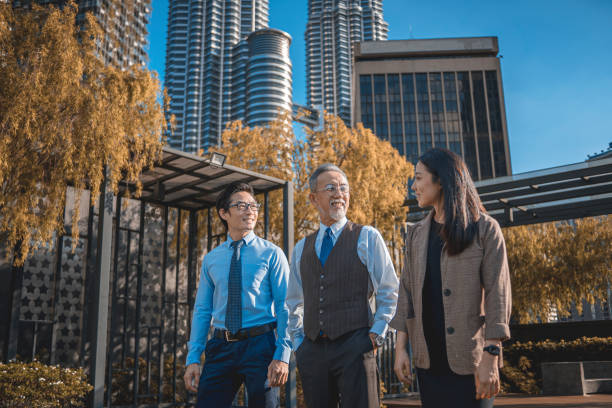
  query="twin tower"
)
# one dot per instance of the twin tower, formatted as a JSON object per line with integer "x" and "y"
{"x": 223, "y": 63}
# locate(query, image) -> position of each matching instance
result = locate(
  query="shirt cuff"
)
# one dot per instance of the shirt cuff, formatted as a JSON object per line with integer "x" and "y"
{"x": 379, "y": 327}
{"x": 282, "y": 354}
{"x": 195, "y": 354}
{"x": 297, "y": 341}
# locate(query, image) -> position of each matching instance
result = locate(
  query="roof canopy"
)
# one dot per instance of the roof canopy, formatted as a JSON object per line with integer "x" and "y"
{"x": 554, "y": 194}
{"x": 191, "y": 182}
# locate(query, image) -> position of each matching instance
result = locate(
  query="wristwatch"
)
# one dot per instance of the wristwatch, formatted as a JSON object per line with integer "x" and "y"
{"x": 492, "y": 349}
{"x": 379, "y": 340}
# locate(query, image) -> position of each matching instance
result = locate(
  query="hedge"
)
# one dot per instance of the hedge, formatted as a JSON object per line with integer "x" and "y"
{"x": 36, "y": 385}
{"x": 522, "y": 370}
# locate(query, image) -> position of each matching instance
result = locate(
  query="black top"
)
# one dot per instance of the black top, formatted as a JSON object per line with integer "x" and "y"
{"x": 433, "y": 307}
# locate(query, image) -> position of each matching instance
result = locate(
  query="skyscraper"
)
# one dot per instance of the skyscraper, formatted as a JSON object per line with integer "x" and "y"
{"x": 124, "y": 24}
{"x": 448, "y": 93}
{"x": 223, "y": 64}
{"x": 333, "y": 26}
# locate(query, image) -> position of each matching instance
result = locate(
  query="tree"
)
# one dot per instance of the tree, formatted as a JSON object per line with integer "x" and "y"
{"x": 64, "y": 118}
{"x": 377, "y": 173}
{"x": 554, "y": 266}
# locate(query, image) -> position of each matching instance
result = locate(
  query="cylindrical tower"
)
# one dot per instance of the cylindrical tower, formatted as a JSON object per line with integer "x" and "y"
{"x": 268, "y": 76}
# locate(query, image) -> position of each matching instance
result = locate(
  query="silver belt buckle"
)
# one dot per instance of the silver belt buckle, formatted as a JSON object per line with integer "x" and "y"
{"x": 226, "y": 334}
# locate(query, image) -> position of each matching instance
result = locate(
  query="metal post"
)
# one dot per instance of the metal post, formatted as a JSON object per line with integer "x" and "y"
{"x": 100, "y": 295}
{"x": 288, "y": 242}
{"x": 192, "y": 274}
{"x": 266, "y": 215}
{"x": 14, "y": 304}
{"x": 209, "y": 231}
{"x": 114, "y": 296}
{"x": 163, "y": 305}
{"x": 139, "y": 271}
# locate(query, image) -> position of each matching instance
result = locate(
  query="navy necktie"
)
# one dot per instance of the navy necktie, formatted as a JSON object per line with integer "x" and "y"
{"x": 233, "y": 313}
{"x": 326, "y": 246}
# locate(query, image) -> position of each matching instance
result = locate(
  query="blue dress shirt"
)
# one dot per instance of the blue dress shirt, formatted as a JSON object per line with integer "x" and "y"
{"x": 265, "y": 272}
{"x": 373, "y": 253}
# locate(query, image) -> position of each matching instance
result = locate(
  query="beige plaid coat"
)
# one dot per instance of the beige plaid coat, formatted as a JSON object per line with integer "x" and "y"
{"x": 477, "y": 297}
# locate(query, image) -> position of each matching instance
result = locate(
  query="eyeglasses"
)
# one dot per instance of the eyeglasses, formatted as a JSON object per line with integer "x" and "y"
{"x": 242, "y": 206}
{"x": 332, "y": 188}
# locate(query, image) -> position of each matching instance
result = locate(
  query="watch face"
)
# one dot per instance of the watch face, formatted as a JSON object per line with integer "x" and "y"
{"x": 492, "y": 350}
{"x": 380, "y": 340}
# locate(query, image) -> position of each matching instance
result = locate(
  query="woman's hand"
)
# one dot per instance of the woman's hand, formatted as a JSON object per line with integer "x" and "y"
{"x": 402, "y": 367}
{"x": 402, "y": 359}
{"x": 487, "y": 377}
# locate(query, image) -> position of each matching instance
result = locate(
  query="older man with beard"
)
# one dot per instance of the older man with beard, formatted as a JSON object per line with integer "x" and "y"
{"x": 336, "y": 274}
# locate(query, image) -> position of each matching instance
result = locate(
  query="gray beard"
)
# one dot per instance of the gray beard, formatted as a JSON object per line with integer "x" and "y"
{"x": 338, "y": 214}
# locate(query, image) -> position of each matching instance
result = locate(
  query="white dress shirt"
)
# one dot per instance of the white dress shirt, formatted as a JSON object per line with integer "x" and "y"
{"x": 373, "y": 253}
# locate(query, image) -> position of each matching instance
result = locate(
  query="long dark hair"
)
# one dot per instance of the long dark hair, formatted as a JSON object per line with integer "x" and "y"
{"x": 462, "y": 205}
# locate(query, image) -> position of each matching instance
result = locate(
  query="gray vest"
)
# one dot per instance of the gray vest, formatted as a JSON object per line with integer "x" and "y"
{"x": 336, "y": 295}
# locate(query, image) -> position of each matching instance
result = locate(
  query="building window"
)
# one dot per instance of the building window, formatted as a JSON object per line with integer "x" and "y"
{"x": 424, "y": 119}
{"x": 467, "y": 122}
{"x": 365, "y": 95}
{"x": 452, "y": 113}
{"x": 482, "y": 128}
{"x": 497, "y": 132}
{"x": 395, "y": 112}
{"x": 380, "y": 107}
{"x": 410, "y": 119}
{"x": 437, "y": 110}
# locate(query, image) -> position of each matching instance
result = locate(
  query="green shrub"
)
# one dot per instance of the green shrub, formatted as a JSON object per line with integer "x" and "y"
{"x": 522, "y": 370}
{"x": 36, "y": 385}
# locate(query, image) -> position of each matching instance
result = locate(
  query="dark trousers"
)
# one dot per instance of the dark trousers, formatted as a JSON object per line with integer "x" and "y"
{"x": 229, "y": 364}
{"x": 343, "y": 370}
{"x": 449, "y": 390}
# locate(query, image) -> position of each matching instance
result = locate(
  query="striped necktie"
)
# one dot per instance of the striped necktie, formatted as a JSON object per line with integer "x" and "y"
{"x": 233, "y": 313}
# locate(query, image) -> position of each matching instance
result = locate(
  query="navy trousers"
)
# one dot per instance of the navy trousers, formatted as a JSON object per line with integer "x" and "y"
{"x": 229, "y": 364}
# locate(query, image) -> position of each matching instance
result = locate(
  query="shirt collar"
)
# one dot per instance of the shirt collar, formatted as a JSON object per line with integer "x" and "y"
{"x": 247, "y": 239}
{"x": 335, "y": 227}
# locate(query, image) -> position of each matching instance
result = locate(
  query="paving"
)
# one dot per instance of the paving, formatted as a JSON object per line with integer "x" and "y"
{"x": 524, "y": 401}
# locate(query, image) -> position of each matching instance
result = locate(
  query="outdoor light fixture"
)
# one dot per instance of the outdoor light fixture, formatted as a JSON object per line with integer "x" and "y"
{"x": 217, "y": 159}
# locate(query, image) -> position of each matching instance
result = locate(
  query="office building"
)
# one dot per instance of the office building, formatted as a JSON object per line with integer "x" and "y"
{"x": 124, "y": 24}
{"x": 223, "y": 63}
{"x": 333, "y": 26}
{"x": 448, "y": 93}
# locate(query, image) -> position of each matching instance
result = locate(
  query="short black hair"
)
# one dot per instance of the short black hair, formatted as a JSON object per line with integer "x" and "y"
{"x": 223, "y": 201}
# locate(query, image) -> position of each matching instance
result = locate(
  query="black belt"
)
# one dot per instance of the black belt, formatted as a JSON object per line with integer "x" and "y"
{"x": 244, "y": 334}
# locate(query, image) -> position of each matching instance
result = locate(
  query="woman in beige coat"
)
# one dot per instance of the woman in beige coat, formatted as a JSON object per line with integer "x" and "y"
{"x": 454, "y": 299}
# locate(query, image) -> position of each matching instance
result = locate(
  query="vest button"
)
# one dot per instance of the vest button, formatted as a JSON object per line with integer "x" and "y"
{"x": 320, "y": 323}
{"x": 320, "y": 311}
{"x": 450, "y": 330}
{"x": 447, "y": 292}
{"x": 320, "y": 299}
{"x": 321, "y": 287}
{"x": 322, "y": 276}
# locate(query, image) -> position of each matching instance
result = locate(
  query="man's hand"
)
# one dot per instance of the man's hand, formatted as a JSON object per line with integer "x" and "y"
{"x": 278, "y": 372}
{"x": 487, "y": 377}
{"x": 192, "y": 377}
{"x": 402, "y": 366}
{"x": 373, "y": 340}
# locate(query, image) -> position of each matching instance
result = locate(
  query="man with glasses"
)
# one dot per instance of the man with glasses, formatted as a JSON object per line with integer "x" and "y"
{"x": 336, "y": 273}
{"x": 242, "y": 292}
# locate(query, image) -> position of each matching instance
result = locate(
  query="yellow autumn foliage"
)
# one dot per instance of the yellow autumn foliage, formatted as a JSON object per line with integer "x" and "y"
{"x": 555, "y": 265}
{"x": 377, "y": 173}
{"x": 64, "y": 117}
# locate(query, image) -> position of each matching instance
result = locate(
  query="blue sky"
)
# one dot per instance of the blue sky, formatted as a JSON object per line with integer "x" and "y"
{"x": 556, "y": 65}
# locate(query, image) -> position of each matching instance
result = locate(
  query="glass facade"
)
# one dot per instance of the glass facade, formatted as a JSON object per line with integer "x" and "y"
{"x": 460, "y": 111}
